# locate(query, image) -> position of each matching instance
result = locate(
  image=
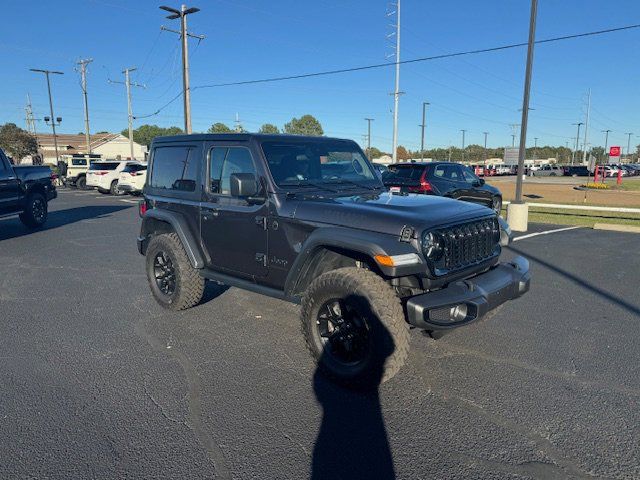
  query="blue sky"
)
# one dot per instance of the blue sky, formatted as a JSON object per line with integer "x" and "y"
{"x": 247, "y": 39}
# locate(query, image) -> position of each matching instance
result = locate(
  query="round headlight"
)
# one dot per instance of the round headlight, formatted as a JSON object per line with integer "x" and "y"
{"x": 432, "y": 245}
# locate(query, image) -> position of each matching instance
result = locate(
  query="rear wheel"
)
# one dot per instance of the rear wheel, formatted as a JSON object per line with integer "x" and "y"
{"x": 81, "y": 183}
{"x": 35, "y": 213}
{"x": 113, "y": 190}
{"x": 354, "y": 327}
{"x": 174, "y": 283}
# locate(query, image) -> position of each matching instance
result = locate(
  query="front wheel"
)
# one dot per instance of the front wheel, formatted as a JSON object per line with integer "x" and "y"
{"x": 81, "y": 183}
{"x": 113, "y": 189}
{"x": 35, "y": 212}
{"x": 354, "y": 327}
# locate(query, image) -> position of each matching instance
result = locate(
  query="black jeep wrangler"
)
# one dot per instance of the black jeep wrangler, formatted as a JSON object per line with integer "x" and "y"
{"x": 307, "y": 220}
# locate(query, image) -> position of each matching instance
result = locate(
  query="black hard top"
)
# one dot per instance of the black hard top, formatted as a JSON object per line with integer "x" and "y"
{"x": 212, "y": 137}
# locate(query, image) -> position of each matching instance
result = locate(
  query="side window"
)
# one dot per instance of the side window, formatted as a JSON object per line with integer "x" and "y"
{"x": 238, "y": 160}
{"x": 469, "y": 176}
{"x": 439, "y": 171}
{"x": 216, "y": 159}
{"x": 174, "y": 168}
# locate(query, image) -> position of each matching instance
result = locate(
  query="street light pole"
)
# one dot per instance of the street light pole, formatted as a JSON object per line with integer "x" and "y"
{"x": 628, "y": 142}
{"x": 463, "y": 132}
{"x": 606, "y": 141}
{"x": 525, "y": 102}
{"x": 53, "y": 118}
{"x": 485, "y": 146}
{"x": 424, "y": 112}
{"x": 184, "y": 34}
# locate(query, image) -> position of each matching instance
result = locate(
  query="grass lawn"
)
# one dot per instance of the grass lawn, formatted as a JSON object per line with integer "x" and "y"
{"x": 580, "y": 217}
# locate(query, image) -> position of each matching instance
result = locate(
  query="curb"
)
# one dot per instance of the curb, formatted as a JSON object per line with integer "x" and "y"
{"x": 616, "y": 227}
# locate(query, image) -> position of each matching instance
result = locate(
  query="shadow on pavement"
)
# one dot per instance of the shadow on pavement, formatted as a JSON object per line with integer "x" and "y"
{"x": 352, "y": 441}
{"x": 12, "y": 227}
{"x": 581, "y": 282}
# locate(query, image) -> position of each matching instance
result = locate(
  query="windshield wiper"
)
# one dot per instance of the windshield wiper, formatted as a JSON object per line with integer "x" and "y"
{"x": 306, "y": 183}
{"x": 352, "y": 182}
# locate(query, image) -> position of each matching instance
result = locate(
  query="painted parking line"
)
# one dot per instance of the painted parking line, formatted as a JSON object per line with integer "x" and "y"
{"x": 546, "y": 232}
{"x": 129, "y": 201}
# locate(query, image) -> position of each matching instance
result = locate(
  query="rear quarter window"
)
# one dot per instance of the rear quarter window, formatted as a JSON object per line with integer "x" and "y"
{"x": 175, "y": 168}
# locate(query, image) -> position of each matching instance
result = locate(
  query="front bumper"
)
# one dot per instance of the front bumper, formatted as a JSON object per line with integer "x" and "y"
{"x": 468, "y": 300}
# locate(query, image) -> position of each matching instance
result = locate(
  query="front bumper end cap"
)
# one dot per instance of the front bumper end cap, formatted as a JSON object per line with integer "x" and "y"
{"x": 468, "y": 300}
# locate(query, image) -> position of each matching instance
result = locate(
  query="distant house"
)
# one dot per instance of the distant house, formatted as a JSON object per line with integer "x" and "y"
{"x": 109, "y": 145}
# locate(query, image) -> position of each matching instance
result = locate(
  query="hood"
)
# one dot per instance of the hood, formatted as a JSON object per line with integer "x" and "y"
{"x": 388, "y": 213}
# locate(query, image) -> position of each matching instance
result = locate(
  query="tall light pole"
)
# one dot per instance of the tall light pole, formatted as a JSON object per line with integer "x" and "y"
{"x": 463, "y": 133}
{"x": 83, "y": 74}
{"x": 184, "y": 34}
{"x": 535, "y": 147}
{"x": 586, "y": 130}
{"x": 396, "y": 91}
{"x": 579, "y": 124}
{"x": 485, "y": 146}
{"x": 422, "y": 125}
{"x": 53, "y": 118}
{"x": 628, "y": 134}
{"x": 525, "y": 104}
{"x": 606, "y": 141}
{"x": 369, "y": 120}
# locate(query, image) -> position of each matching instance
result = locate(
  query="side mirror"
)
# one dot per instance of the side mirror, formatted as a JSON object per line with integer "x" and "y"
{"x": 243, "y": 184}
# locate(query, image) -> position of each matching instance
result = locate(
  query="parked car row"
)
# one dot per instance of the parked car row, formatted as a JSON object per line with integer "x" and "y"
{"x": 117, "y": 177}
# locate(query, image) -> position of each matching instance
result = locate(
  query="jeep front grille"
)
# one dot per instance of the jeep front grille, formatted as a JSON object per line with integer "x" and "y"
{"x": 468, "y": 244}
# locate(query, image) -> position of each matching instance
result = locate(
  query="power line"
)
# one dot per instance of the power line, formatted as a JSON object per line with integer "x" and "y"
{"x": 384, "y": 65}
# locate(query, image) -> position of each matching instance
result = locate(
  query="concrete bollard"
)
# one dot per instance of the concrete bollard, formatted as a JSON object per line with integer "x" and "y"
{"x": 518, "y": 216}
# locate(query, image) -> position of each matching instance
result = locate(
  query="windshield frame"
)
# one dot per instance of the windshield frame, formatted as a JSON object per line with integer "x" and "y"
{"x": 333, "y": 186}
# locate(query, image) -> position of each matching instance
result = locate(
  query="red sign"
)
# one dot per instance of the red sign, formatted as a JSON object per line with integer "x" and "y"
{"x": 614, "y": 152}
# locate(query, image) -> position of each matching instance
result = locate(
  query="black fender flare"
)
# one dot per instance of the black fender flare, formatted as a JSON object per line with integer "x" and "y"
{"x": 366, "y": 243}
{"x": 180, "y": 227}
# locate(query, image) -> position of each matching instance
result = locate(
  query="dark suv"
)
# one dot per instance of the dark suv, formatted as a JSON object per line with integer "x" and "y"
{"x": 307, "y": 220}
{"x": 446, "y": 179}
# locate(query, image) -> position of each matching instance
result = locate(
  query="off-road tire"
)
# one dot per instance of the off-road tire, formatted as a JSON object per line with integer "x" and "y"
{"x": 189, "y": 284}
{"x": 30, "y": 216}
{"x": 389, "y": 330}
{"x": 81, "y": 183}
{"x": 113, "y": 189}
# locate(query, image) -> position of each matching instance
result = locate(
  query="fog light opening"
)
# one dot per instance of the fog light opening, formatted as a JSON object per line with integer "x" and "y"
{"x": 458, "y": 313}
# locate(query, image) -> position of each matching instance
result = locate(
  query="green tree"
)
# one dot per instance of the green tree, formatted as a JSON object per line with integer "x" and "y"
{"x": 305, "y": 125}
{"x": 16, "y": 142}
{"x": 373, "y": 152}
{"x": 144, "y": 134}
{"x": 402, "y": 153}
{"x": 269, "y": 128}
{"x": 219, "y": 128}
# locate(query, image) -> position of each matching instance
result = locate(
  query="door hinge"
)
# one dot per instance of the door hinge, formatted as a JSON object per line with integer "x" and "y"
{"x": 262, "y": 221}
{"x": 261, "y": 258}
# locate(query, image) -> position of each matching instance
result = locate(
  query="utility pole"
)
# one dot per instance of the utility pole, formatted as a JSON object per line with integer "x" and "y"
{"x": 485, "y": 146}
{"x": 29, "y": 119}
{"x": 586, "y": 130}
{"x": 514, "y": 126}
{"x": 83, "y": 73}
{"x": 525, "y": 103}
{"x": 577, "y": 140}
{"x": 396, "y": 91}
{"x": 369, "y": 120}
{"x": 128, "y": 84}
{"x": 184, "y": 34}
{"x": 422, "y": 125}
{"x": 628, "y": 142}
{"x": 535, "y": 147}
{"x": 463, "y": 133}
{"x": 606, "y": 141}
{"x": 53, "y": 118}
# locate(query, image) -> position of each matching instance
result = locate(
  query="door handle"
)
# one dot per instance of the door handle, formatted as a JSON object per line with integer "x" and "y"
{"x": 206, "y": 212}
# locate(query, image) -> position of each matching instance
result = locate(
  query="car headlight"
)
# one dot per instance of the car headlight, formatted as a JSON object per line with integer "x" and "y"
{"x": 432, "y": 245}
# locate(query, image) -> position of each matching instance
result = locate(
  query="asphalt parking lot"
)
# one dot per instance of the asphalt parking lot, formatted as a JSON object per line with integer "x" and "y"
{"x": 97, "y": 381}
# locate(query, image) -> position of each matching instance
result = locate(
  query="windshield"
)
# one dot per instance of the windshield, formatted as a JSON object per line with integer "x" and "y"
{"x": 296, "y": 163}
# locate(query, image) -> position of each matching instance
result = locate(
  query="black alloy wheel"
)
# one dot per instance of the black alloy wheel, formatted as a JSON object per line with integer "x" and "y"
{"x": 344, "y": 332}
{"x": 164, "y": 273}
{"x": 39, "y": 209}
